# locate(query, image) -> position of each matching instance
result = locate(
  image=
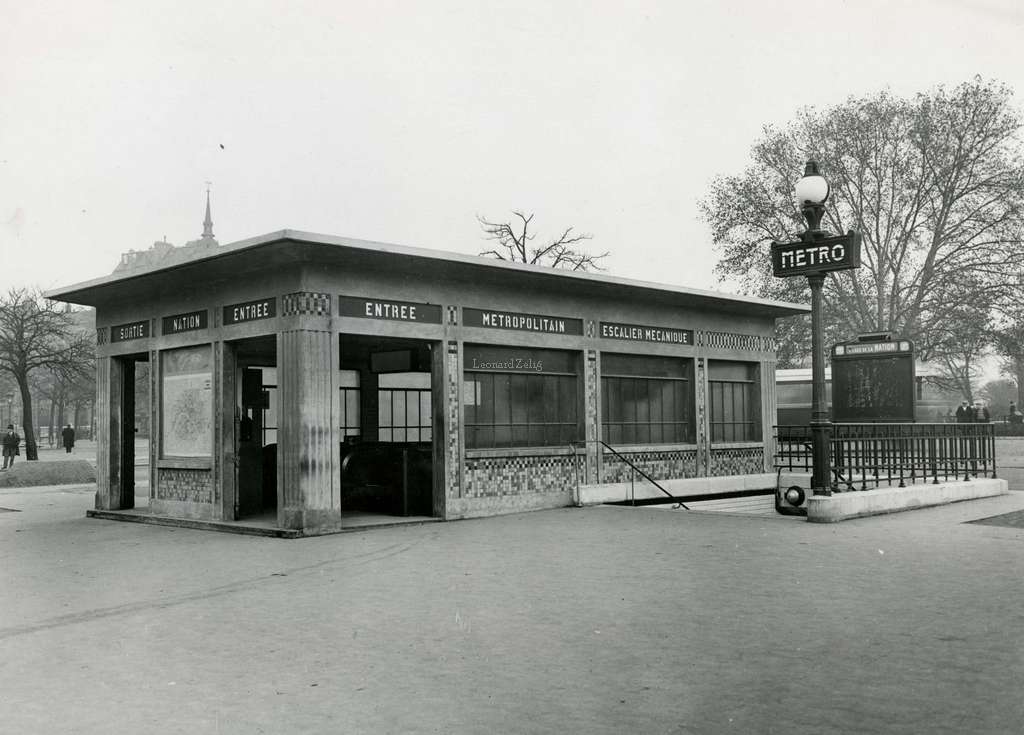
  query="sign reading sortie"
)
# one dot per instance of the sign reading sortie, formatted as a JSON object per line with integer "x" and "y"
{"x": 399, "y": 311}
{"x": 520, "y": 321}
{"x": 640, "y": 333}
{"x": 132, "y": 330}
{"x": 250, "y": 311}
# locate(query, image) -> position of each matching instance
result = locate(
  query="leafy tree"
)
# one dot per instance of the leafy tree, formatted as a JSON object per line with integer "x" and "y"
{"x": 1008, "y": 340}
{"x": 514, "y": 240}
{"x": 998, "y": 394}
{"x": 934, "y": 184}
{"x": 36, "y": 335}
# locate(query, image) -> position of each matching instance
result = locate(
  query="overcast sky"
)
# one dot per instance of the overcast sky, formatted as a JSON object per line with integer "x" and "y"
{"x": 401, "y": 121}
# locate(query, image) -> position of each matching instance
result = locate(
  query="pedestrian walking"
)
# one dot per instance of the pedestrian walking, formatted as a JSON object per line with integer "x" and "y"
{"x": 964, "y": 415}
{"x": 11, "y": 442}
{"x": 980, "y": 414}
{"x": 67, "y": 436}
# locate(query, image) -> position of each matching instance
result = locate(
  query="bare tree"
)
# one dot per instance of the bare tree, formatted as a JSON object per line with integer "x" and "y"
{"x": 514, "y": 244}
{"x": 934, "y": 184}
{"x": 36, "y": 334}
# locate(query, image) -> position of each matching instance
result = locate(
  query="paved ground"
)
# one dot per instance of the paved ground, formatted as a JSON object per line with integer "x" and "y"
{"x": 601, "y": 620}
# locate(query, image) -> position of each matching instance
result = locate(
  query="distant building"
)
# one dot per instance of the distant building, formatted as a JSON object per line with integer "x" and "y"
{"x": 163, "y": 253}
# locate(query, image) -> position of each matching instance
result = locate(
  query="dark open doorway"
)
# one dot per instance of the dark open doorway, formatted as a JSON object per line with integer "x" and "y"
{"x": 131, "y": 474}
{"x": 388, "y": 391}
{"x": 256, "y": 412}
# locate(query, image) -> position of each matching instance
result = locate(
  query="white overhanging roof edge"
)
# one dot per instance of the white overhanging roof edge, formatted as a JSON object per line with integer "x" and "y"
{"x": 416, "y": 252}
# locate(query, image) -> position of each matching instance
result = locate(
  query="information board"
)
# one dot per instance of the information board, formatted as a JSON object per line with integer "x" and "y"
{"x": 873, "y": 382}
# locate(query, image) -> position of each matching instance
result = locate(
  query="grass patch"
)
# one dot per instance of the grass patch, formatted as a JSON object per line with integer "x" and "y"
{"x": 30, "y": 474}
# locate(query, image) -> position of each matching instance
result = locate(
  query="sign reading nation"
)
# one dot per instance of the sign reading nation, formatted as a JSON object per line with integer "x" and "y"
{"x": 132, "y": 330}
{"x": 185, "y": 322}
{"x": 640, "y": 333}
{"x": 521, "y": 321}
{"x": 399, "y": 311}
{"x": 250, "y": 311}
{"x": 816, "y": 256}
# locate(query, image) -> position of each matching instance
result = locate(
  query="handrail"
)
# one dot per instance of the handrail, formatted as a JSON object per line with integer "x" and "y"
{"x": 625, "y": 459}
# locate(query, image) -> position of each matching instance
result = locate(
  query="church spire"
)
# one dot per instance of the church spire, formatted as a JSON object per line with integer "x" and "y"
{"x": 208, "y": 222}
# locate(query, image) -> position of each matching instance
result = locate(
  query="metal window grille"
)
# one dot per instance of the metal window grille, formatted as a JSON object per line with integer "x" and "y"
{"x": 515, "y": 410}
{"x": 642, "y": 410}
{"x": 733, "y": 410}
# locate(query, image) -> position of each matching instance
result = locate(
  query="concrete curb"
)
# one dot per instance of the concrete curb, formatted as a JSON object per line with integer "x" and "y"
{"x": 857, "y": 504}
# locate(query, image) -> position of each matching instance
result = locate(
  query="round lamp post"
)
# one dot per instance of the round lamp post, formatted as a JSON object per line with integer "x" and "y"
{"x": 811, "y": 193}
{"x": 814, "y": 255}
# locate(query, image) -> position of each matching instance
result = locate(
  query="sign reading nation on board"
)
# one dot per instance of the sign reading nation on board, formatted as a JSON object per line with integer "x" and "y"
{"x": 186, "y": 322}
{"x": 132, "y": 330}
{"x": 521, "y": 321}
{"x": 250, "y": 311}
{"x": 399, "y": 311}
{"x": 816, "y": 256}
{"x": 640, "y": 333}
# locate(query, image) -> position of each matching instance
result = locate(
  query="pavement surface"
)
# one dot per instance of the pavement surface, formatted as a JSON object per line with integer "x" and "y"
{"x": 597, "y": 620}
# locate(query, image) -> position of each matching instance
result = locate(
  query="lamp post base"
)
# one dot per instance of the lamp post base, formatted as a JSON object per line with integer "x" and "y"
{"x": 821, "y": 440}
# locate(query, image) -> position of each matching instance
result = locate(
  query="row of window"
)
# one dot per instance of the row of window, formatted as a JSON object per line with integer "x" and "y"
{"x": 513, "y": 398}
{"x": 529, "y": 398}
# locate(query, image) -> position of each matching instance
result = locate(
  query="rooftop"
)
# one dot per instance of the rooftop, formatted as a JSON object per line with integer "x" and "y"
{"x": 290, "y": 246}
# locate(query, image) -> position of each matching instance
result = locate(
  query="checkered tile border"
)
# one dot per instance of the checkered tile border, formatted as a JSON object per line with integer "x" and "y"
{"x": 747, "y": 461}
{"x": 491, "y": 477}
{"x": 732, "y": 341}
{"x": 303, "y": 302}
{"x": 102, "y": 335}
{"x": 193, "y": 486}
{"x": 659, "y": 465}
{"x": 452, "y": 438}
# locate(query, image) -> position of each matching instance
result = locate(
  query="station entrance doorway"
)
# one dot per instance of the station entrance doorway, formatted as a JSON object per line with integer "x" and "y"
{"x": 131, "y": 430}
{"x": 391, "y": 459}
{"x": 255, "y": 426}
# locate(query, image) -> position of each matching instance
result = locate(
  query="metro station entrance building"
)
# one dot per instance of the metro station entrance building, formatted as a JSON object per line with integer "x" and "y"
{"x": 307, "y": 380}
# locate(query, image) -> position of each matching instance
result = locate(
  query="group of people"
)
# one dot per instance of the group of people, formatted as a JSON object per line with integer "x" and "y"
{"x": 12, "y": 443}
{"x": 976, "y": 414}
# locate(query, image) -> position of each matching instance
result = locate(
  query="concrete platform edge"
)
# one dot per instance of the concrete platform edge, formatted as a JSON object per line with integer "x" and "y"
{"x": 243, "y": 530}
{"x": 859, "y": 504}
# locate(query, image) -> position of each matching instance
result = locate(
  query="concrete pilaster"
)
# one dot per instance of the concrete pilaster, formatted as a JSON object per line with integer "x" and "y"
{"x": 306, "y": 433}
{"x": 592, "y": 414}
{"x": 110, "y": 491}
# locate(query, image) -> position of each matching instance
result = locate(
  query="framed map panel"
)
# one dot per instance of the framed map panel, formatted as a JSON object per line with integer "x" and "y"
{"x": 186, "y": 414}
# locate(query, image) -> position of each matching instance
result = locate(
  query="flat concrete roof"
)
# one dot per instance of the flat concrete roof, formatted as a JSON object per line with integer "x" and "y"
{"x": 279, "y": 248}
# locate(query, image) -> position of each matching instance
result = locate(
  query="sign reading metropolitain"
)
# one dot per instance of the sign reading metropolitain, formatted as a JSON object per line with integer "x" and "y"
{"x": 521, "y": 321}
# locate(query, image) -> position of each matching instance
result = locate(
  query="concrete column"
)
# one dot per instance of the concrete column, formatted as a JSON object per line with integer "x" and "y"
{"x": 703, "y": 419}
{"x": 306, "y": 433}
{"x": 110, "y": 491}
{"x": 769, "y": 412}
{"x": 592, "y": 414}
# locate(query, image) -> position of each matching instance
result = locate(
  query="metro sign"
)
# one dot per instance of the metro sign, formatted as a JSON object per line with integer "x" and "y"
{"x": 816, "y": 256}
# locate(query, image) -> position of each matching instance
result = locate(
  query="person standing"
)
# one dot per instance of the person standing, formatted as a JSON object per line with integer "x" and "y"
{"x": 11, "y": 442}
{"x": 68, "y": 438}
{"x": 964, "y": 415}
{"x": 980, "y": 414}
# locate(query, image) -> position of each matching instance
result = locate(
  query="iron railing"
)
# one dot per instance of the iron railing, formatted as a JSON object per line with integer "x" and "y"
{"x": 866, "y": 456}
